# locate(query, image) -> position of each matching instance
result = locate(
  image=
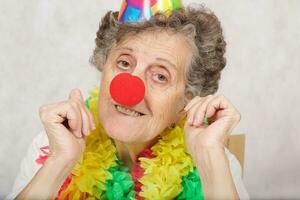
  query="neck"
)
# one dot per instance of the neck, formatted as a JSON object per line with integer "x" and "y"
{"x": 128, "y": 152}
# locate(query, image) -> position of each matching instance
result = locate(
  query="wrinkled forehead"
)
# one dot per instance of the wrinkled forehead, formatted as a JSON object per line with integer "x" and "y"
{"x": 152, "y": 33}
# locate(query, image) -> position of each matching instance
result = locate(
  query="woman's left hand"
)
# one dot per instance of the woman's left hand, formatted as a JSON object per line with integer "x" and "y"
{"x": 222, "y": 117}
{"x": 206, "y": 142}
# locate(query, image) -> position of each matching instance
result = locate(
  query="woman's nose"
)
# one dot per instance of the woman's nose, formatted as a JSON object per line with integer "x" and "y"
{"x": 127, "y": 90}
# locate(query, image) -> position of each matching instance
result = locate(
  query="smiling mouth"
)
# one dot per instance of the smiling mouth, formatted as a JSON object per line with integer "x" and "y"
{"x": 128, "y": 111}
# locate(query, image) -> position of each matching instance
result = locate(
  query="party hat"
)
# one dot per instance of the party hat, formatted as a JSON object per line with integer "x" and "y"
{"x": 141, "y": 10}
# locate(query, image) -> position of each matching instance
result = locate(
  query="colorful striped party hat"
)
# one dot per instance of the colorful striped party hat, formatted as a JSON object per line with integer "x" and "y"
{"x": 141, "y": 10}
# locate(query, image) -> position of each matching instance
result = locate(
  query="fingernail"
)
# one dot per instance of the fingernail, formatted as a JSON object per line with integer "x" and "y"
{"x": 79, "y": 134}
{"x": 190, "y": 120}
{"x": 198, "y": 120}
{"x": 195, "y": 123}
{"x": 93, "y": 126}
{"x": 84, "y": 132}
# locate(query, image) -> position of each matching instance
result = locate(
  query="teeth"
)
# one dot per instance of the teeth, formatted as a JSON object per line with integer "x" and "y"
{"x": 127, "y": 111}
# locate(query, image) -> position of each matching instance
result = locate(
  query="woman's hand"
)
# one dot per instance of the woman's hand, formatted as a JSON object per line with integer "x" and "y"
{"x": 206, "y": 143}
{"x": 222, "y": 117}
{"x": 66, "y": 124}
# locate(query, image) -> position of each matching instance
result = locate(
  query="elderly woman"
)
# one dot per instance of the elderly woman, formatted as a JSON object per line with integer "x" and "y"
{"x": 153, "y": 130}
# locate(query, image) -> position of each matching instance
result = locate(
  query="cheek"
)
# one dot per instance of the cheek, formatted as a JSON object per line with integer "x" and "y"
{"x": 165, "y": 109}
{"x": 104, "y": 97}
{"x": 107, "y": 76}
{"x": 174, "y": 103}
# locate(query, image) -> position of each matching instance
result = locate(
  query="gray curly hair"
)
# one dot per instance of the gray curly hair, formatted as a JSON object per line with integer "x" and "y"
{"x": 198, "y": 24}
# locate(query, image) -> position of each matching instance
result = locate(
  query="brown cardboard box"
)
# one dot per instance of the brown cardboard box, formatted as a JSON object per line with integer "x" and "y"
{"x": 236, "y": 145}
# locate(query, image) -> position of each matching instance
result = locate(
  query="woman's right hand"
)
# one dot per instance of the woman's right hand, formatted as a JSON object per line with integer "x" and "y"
{"x": 66, "y": 124}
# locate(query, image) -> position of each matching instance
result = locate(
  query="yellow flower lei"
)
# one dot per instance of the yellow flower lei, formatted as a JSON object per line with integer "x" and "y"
{"x": 163, "y": 174}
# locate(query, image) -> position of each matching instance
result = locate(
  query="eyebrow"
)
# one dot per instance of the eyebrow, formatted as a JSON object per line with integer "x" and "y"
{"x": 158, "y": 59}
{"x": 167, "y": 61}
{"x": 124, "y": 48}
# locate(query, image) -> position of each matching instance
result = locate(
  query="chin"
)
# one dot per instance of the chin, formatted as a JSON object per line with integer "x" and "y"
{"x": 123, "y": 133}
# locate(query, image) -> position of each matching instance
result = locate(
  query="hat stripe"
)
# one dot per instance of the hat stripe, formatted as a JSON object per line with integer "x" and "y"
{"x": 137, "y": 11}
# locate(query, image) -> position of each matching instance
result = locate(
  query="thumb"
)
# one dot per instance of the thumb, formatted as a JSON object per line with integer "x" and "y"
{"x": 76, "y": 94}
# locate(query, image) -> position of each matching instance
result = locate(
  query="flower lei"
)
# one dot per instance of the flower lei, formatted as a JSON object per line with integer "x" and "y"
{"x": 165, "y": 171}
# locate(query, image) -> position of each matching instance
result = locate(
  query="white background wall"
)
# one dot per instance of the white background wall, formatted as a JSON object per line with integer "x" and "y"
{"x": 44, "y": 50}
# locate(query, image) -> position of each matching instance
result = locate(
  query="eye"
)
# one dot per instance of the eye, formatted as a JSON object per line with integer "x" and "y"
{"x": 160, "y": 78}
{"x": 123, "y": 64}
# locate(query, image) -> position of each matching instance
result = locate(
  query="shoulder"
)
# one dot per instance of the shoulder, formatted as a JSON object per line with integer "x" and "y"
{"x": 236, "y": 172}
{"x": 29, "y": 165}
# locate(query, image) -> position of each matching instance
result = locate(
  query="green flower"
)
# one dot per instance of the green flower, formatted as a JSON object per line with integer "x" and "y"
{"x": 192, "y": 188}
{"x": 120, "y": 187}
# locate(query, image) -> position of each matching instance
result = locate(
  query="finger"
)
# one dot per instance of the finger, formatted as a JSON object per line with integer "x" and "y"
{"x": 80, "y": 123}
{"x": 76, "y": 94}
{"x": 213, "y": 112}
{"x": 85, "y": 120}
{"x": 66, "y": 111}
{"x": 85, "y": 128}
{"x": 200, "y": 112}
{"x": 191, "y": 103}
{"x": 90, "y": 119}
{"x": 219, "y": 107}
{"x": 74, "y": 100}
{"x": 212, "y": 107}
{"x": 192, "y": 110}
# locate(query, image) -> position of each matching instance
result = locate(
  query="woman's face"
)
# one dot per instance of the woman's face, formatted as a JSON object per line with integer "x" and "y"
{"x": 160, "y": 59}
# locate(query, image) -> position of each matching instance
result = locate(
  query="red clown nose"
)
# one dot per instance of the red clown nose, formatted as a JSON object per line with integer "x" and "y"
{"x": 127, "y": 90}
